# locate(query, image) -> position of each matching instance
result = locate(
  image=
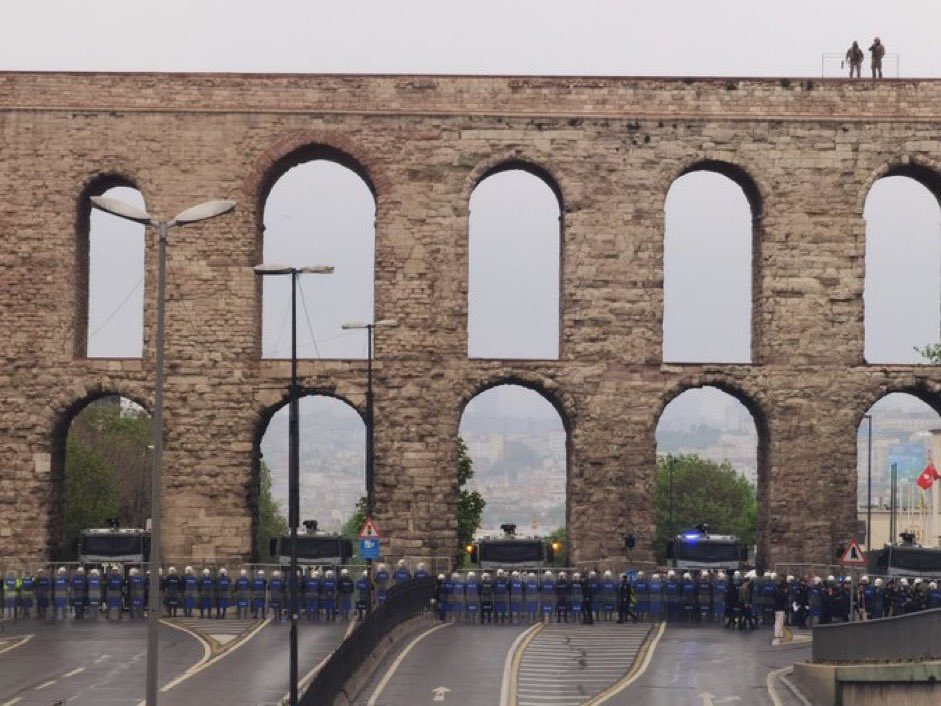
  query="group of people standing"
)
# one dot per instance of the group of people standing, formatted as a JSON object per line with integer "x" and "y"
{"x": 524, "y": 597}
{"x": 79, "y": 594}
{"x": 854, "y": 57}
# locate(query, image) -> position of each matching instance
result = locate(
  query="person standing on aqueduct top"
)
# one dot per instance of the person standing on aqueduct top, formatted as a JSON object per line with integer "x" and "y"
{"x": 854, "y": 56}
{"x": 878, "y": 51}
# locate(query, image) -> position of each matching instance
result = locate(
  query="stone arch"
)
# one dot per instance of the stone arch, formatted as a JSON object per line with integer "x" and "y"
{"x": 94, "y": 186}
{"x": 263, "y": 417}
{"x": 925, "y": 171}
{"x": 754, "y": 196}
{"x": 882, "y": 254}
{"x": 66, "y": 410}
{"x": 516, "y": 160}
{"x": 756, "y": 406}
{"x": 923, "y": 389}
{"x": 477, "y": 302}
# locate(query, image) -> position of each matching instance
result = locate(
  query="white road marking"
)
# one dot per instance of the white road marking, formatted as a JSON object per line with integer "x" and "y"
{"x": 507, "y": 691}
{"x": 621, "y": 686}
{"x": 398, "y": 661}
{"x": 12, "y": 701}
{"x": 73, "y": 672}
{"x": 17, "y": 642}
{"x": 102, "y": 658}
{"x": 439, "y": 693}
{"x": 710, "y": 699}
{"x": 45, "y": 684}
{"x": 772, "y": 689}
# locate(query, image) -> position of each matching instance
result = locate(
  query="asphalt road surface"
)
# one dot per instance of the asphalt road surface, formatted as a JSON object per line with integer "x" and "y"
{"x": 85, "y": 662}
{"x": 256, "y": 673}
{"x": 464, "y": 663}
{"x": 708, "y": 665}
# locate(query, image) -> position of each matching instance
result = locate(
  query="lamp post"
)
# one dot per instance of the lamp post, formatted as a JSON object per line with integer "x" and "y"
{"x": 293, "y": 446}
{"x": 201, "y": 212}
{"x": 370, "y": 330}
{"x": 868, "y": 418}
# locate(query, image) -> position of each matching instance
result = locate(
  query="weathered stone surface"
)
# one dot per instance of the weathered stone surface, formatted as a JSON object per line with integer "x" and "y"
{"x": 806, "y": 151}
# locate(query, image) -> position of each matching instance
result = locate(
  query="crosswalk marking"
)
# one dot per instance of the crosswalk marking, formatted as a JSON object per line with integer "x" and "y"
{"x": 566, "y": 665}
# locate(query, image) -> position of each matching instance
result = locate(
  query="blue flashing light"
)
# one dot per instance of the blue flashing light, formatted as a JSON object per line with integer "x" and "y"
{"x": 691, "y": 537}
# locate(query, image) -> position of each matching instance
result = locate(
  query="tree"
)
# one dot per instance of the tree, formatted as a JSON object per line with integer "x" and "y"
{"x": 354, "y": 523}
{"x": 931, "y": 353}
{"x": 271, "y": 520}
{"x": 470, "y": 503}
{"x": 557, "y": 537}
{"x": 703, "y": 491}
{"x": 90, "y": 495}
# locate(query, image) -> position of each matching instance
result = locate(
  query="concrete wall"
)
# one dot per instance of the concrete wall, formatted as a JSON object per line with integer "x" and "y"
{"x": 805, "y": 151}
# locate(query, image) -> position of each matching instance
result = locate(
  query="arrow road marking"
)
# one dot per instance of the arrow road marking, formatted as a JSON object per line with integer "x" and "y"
{"x": 440, "y": 692}
{"x": 710, "y": 699}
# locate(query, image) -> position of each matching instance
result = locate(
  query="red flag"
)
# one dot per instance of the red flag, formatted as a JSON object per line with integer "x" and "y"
{"x": 928, "y": 476}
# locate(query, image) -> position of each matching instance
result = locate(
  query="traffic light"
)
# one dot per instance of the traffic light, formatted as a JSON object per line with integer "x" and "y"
{"x": 471, "y": 550}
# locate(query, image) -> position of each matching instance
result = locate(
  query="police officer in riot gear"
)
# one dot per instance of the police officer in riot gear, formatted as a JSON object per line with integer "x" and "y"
{"x": 457, "y": 597}
{"x": 222, "y": 588}
{"x": 243, "y": 594}
{"x": 672, "y": 593}
{"x": 608, "y": 597}
{"x": 878, "y": 599}
{"x": 78, "y": 593}
{"x": 594, "y": 592}
{"x": 471, "y": 598}
{"x": 95, "y": 593}
{"x": 276, "y": 595}
{"x": 531, "y": 590}
{"x": 205, "y": 588}
{"x": 312, "y": 594}
{"x": 9, "y": 595}
{"x": 382, "y": 583}
{"x": 486, "y": 598}
{"x": 655, "y": 598}
{"x": 259, "y": 588}
{"x": 500, "y": 596}
{"x": 135, "y": 589}
{"x": 562, "y": 594}
{"x": 625, "y": 599}
{"x": 517, "y": 597}
{"x": 576, "y": 602}
{"x": 172, "y": 592}
{"x": 689, "y": 598}
{"x": 345, "y": 593}
{"x": 190, "y": 589}
{"x": 704, "y": 596}
{"x": 421, "y": 571}
{"x": 328, "y": 595}
{"x": 115, "y": 589}
{"x": 27, "y": 594}
{"x": 718, "y": 596}
{"x": 402, "y": 573}
{"x": 60, "y": 593}
{"x": 642, "y": 595}
{"x": 363, "y": 595}
{"x": 547, "y": 596}
{"x": 43, "y": 594}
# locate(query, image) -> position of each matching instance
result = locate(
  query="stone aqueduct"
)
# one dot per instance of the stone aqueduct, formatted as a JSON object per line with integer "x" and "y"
{"x": 805, "y": 152}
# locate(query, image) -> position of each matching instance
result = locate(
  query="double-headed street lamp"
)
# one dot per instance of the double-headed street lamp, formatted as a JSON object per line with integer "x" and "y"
{"x": 370, "y": 458}
{"x": 293, "y": 445}
{"x": 202, "y": 212}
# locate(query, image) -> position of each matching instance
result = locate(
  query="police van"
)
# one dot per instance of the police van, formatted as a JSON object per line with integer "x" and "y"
{"x": 112, "y": 545}
{"x": 511, "y": 552}
{"x": 314, "y": 548}
{"x": 698, "y": 549}
{"x": 906, "y": 559}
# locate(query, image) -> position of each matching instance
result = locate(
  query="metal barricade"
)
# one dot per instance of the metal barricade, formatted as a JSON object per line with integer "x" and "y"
{"x": 405, "y": 600}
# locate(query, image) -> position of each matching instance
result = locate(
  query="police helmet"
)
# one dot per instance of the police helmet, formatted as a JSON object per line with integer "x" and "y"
{"x": 243, "y": 572}
{"x": 260, "y": 572}
{"x": 382, "y": 567}
{"x": 456, "y": 576}
{"x": 790, "y": 578}
{"x": 687, "y": 576}
{"x": 671, "y": 573}
{"x": 751, "y": 574}
{"x": 608, "y": 574}
{"x": 440, "y": 576}
{"x": 365, "y": 574}
{"x": 878, "y": 583}
{"x": 485, "y": 576}
{"x": 767, "y": 575}
{"x": 547, "y": 574}
{"x": 933, "y": 585}
{"x": 276, "y": 574}
{"x": 592, "y": 574}
{"x": 737, "y": 574}
{"x": 171, "y": 570}
{"x": 830, "y": 578}
{"x": 917, "y": 582}
{"x": 903, "y": 582}
{"x": 401, "y": 563}
{"x": 134, "y": 572}
{"x": 205, "y": 572}
{"x": 864, "y": 579}
{"x": 562, "y": 574}
{"x": 188, "y": 569}
{"x": 471, "y": 575}
{"x": 421, "y": 566}
{"x": 499, "y": 572}
{"x": 654, "y": 577}
{"x": 81, "y": 570}
{"x": 223, "y": 571}
{"x": 344, "y": 572}
{"x": 532, "y": 575}
{"x": 817, "y": 580}
{"x": 515, "y": 574}
{"x": 576, "y": 576}
{"x": 330, "y": 574}
{"x": 95, "y": 572}
{"x": 41, "y": 572}
{"x": 640, "y": 574}
{"x": 61, "y": 570}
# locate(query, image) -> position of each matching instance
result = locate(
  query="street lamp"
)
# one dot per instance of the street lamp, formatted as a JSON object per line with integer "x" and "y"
{"x": 868, "y": 418}
{"x": 201, "y": 212}
{"x": 293, "y": 444}
{"x": 370, "y": 330}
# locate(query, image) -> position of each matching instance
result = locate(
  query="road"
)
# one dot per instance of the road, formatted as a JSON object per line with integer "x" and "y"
{"x": 707, "y": 666}
{"x": 84, "y": 662}
{"x": 256, "y": 672}
{"x": 464, "y": 662}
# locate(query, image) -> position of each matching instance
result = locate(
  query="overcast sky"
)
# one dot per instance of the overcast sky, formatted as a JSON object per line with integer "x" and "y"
{"x": 611, "y": 37}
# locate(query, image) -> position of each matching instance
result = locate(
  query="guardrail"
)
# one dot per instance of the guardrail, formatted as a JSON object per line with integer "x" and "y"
{"x": 896, "y": 639}
{"x": 404, "y": 601}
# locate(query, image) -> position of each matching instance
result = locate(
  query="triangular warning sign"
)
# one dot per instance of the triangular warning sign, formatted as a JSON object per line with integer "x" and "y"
{"x": 369, "y": 530}
{"x": 854, "y": 555}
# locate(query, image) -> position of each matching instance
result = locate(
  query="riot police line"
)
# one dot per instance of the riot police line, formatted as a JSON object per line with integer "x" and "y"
{"x": 743, "y": 600}
{"x": 78, "y": 592}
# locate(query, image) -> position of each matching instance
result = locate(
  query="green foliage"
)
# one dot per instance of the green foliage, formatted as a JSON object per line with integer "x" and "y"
{"x": 354, "y": 523}
{"x": 703, "y": 491}
{"x": 470, "y": 503}
{"x": 90, "y": 494}
{"x": 271, "y": 520}
{"x": 931, "y": 353}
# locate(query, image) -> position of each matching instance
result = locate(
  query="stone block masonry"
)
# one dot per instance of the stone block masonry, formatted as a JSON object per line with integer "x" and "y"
{"x": 805, "y": 151}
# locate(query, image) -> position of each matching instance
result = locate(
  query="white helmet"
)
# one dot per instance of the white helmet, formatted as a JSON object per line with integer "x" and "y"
{"x": 223, "y": 571}
{"x": 608, "y": 574}
{"x": 671, "y": 573}
{"x": 687, "y": 576}
{"x": 276, "y": 574}
{"x": 655, "y": 577}
{"x": 515, "y": 575}
{"x": 562, "y": 575}
{"x": 817, "y": 580}
{"x": 903, "y": 582}
{"x": 440, "y": 576}
{"x": 917, "y": 582}
{"x": 95, "y": 572}
{"x": 382, "y": 567}
{"x": 933, "y": 585}
{"x": 243, "y": 572}
{"x": 485, "y": 576}
{"x": 471, "y": 575}
{"x": 830, "y": 578}
{"x": 720, "y": 574}
{"x": 847, "y": 579}
{"x": 790, "y": 578}
{"x": 260, "y": 573}
{"x": 751, "y": 574}
{"x": 547, "y": 574}
{"x": 864, "y": 578}
{"x": 205, "y": 572}
{"x": 576, "y": 576}
{"x": 80, "y": 570}
{"x": 401, "y": 563}
{"x": 61, "y": 570}
{"x": 133, "y": 572}
{"x": 499, "y": 572}
{"x": 330, "y": 574}
{"x": 456, "y": 576}
{"x": 640, "y": 574}
{"x": 774, "y": 574}
{"x": 421, "y": 566}
{"x": 188, "y": 570}
{"x": 592, "y": 574}
{"x": 532, "y": 575}
{"x": 737, "y": 574}
{"x": 344, "y": 572}
{"x": 879, "y": 583}
{"x": 767, "y": 574}
{"x": 171, "y": 570}
{"x": 365, "y": 574}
